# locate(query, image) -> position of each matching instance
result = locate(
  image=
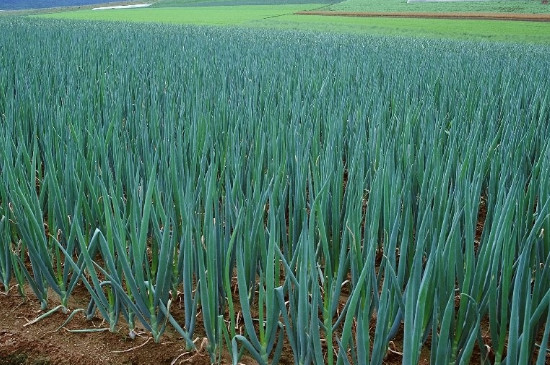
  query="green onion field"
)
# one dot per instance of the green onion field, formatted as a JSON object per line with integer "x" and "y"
{"x": 316, "y": 192}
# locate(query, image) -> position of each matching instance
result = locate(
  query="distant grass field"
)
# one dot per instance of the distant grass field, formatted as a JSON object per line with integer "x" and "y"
{"x": 283, "y": 17}
{"x": 483, "y": 30}
{"x": 492, "y": 6}
{"x": 261, "y": 15}
{"x": 193, "y": 3}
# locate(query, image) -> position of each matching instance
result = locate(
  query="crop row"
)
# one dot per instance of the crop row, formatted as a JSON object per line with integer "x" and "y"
{"x": 350, "y": 188}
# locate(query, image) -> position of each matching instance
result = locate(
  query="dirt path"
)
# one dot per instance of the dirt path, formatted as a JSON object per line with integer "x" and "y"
{"x": 476, "y": 16}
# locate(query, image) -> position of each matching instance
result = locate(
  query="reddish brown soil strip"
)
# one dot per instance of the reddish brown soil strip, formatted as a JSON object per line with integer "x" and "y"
{"x": 420, "y": 15}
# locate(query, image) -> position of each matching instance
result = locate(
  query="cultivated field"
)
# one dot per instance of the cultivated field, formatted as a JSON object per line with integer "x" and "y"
{"x": 177, "y": 194}
{"x": 286, "y": 16}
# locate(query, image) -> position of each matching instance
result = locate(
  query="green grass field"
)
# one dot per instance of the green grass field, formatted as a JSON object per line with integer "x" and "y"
{"x": 283, "y": 17}
{"x": 219, "y": 15}
{"x": 497, "y": 6}
{"x": 492, "y": 6}
{"x": 205, "y": 3}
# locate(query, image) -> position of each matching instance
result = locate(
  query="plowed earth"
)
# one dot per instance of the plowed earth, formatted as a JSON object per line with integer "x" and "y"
{"x": 44, "y": 343}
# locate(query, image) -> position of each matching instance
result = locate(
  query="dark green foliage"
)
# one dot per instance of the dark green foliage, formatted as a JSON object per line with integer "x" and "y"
{"x": 331, "y": 178}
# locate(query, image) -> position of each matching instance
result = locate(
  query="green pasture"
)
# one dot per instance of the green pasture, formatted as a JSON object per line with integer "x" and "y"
{"x": 219, "y": 15}
{"x": 490, "y": 30}
{"x": 204, "y": 3}
{"x": 490, "y": 6}
{"x": 283, "y": 17}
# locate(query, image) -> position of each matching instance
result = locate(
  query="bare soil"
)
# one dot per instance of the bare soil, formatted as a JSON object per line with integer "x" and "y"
{"x": 43, "y": 343}
{"x": 422, "y": 15}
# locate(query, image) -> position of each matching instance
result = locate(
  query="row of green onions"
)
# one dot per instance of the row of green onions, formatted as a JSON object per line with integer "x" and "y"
{"x": 328, "y": 192}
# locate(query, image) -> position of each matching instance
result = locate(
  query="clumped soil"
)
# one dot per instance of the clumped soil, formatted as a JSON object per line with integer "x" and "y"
{"x": 43, "y": 343}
